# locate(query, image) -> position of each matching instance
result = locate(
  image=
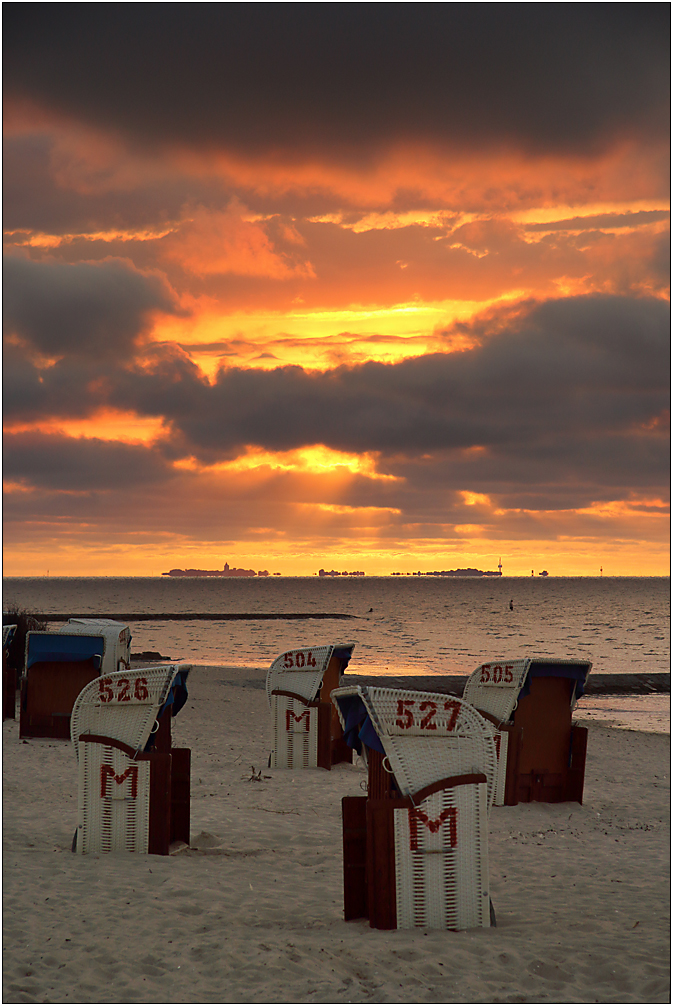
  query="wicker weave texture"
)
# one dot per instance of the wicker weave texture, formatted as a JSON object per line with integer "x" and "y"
{"x": 398, "y": 712}
{"x": 441, "y": 860}
{"x": 124, "y": 705}
{"x": 418, "y": 762}
{"x": 428, "y": 736}
{"x": 344, "y": 692}
{"x": 113, "y": 800}
{"x": 495, "y": 687}
{"x": 295, "y": 733}
{"x": 300, "y": 670}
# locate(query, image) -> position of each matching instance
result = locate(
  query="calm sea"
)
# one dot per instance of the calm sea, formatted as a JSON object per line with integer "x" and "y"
{"x": 407, "y": 625}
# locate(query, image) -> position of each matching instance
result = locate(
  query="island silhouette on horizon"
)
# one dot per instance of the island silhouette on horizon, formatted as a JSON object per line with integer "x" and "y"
{"x": 226, "y": 571}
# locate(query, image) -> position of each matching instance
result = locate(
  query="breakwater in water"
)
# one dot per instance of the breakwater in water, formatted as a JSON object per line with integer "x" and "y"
{"x": 454, "y": 684}
{"x": 195, "y": 616}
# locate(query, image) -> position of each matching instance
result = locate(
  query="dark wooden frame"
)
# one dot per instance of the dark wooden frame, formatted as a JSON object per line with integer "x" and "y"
{"x": 552, "y": 756}
{"x": 48, "y": 693}
{"x": 8, "y": 688}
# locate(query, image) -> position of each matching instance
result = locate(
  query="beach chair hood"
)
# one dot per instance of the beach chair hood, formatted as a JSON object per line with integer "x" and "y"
{"x": 496, "y": 687}
{"x": 425, "y": 736}
{"x": 301, "y": 670}
{"x": 126, "y": 705}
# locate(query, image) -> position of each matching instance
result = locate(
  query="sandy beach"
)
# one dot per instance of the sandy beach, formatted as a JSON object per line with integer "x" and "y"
{"x": 252, "y": 912}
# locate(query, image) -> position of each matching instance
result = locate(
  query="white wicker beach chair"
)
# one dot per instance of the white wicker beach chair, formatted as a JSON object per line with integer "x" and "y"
{"x": 429, "y": 843}
{"x": 111, "y": 724}
{"x": 298, "y": 687}
{"x": 495, "y": 689}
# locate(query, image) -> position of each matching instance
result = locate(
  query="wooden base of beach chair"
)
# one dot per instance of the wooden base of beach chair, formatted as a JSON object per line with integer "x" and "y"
{"x": 180, "y": 782}
{"x": 181, "y": 762}
{"x": 48, "y": 694}
{"x": 552, "y": 756}
{"x": 340, "y": 751}
{"x": 354, "y": 820}
{"x": 131, "y": 802}
{"x": 421, "y": 862}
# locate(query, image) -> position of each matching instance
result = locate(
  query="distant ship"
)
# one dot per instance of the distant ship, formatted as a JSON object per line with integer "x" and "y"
{"x": 227, "y": 571}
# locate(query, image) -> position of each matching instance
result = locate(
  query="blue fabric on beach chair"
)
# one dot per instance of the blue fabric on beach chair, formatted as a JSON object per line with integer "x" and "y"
{"x": 358, "y": 728}
{"x": 549, "y": 668}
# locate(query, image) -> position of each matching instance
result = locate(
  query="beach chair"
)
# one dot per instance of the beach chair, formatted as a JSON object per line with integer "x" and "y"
{"x": 133, "y": 786}
{"x": 8, "y": 675}
{"x": 529, "y": 704}
{"x": 306, "y": 728}
{"x": 57, "y": 667}
{"x": 117, "y": 637}
{"x": 416, "y": 847}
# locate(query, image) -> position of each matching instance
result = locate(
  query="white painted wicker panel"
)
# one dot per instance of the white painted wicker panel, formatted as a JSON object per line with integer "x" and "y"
{"x": 295, "y": 733}
{"x": 113, "y": 801}
{"x": 123, "y": 705}
{"x": 399, "y": 712}
{"x": 299, "y": 670}
{"x": 441, "y": 861}
{"x": 418, "y": 762}
{"x": 429, "y": 736}
{"x": 495, "y": 687}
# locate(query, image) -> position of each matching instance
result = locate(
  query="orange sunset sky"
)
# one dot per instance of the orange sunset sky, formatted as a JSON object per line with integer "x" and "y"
{"x": 362, "y": 286}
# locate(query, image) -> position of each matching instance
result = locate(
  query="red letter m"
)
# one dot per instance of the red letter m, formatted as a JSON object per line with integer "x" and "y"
{"x": 417, "y": 815}
{"x": 107, "y": 770}
{"x": 288, "y": 713}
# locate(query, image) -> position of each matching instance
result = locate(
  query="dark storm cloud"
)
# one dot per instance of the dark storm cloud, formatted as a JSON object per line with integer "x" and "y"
{"x": 35, "y": 197}
{"x": 348, "y": 77}
{"x": 56, "y": 461}
{"x": 571, "y": 392}
{"x": 83, "y": 309}
{"x": 568, "y": 368}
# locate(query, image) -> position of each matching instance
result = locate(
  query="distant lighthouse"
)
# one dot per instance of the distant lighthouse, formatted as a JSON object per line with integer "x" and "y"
{"x": 500, "y": 565}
